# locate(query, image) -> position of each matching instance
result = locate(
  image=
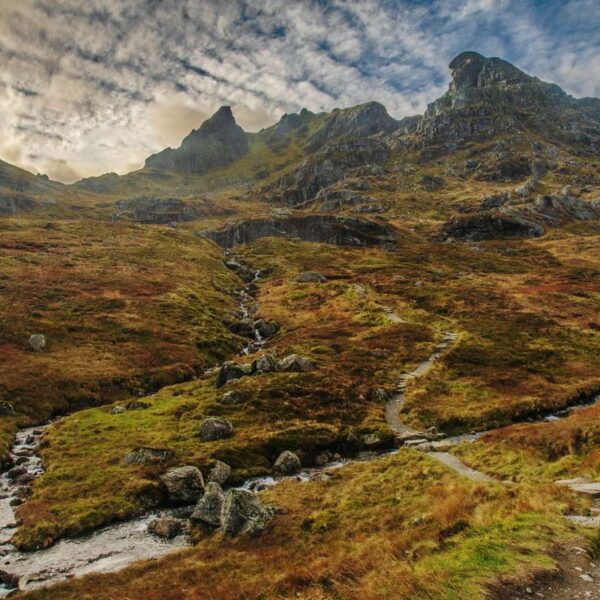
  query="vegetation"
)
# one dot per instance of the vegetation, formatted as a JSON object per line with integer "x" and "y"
{"x": 401, "y": 527}
{"x": 125, "y": 310}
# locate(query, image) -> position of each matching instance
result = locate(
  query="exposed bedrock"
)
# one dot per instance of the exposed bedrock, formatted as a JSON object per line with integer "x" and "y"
{"x": 328, "y": 229}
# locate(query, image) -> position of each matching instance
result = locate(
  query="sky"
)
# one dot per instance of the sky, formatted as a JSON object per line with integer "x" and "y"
{"x": 92, "y": 86}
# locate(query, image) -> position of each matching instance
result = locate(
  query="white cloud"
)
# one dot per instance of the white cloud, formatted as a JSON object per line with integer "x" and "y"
{"x": 100, "y": 85}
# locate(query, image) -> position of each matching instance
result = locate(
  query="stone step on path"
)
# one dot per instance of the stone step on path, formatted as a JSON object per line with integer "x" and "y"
{"x": 581, "y": 486}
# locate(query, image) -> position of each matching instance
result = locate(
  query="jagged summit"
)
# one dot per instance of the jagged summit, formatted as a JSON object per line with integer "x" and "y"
{"x": 471, "y": 69}
{"x": 218, "y": 142}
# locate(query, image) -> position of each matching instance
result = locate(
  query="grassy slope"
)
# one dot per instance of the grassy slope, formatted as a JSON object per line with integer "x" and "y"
{"x": 125, "y": 309}
{"x": 399, "y": 527}
{"x": 497, "y": 371}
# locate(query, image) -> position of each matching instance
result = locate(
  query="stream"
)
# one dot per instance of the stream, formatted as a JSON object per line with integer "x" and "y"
{"x": 116, "y": 546}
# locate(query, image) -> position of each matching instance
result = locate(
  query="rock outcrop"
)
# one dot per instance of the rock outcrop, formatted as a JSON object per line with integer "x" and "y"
{"x": 329, "y": 229}
{"x": 218, "y": 142}
{"x": 294, "y": 363}
{"x": 490, "y": 225}
{"x": 489, "y": 96}
{"x": 155, "y": 210}
{"x": 333, "y": 162}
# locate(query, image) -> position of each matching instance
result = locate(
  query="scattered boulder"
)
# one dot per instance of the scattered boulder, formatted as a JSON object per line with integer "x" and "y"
{"x": 165, "y": 527}
{"x": 310, "y": 277}
{"x": 265, "y": 329}
{"x": 137, "y": 405}
{"x": 495, "y": 201}
{"x": 231, "y": 397}
{"x": 208, "y": 509}
{"x": 148, "y": 456}
{"x": 184, "y": 484}
{"x": 296, "y": 363}
{"x": 37, "y": 342}
{"x": 119, "y": 409}
{"x": 287, "y": 463}
{"x": 215, "y": 428}
{"x": 219, "y": 473}
{"x": 242, "y": 512}
{"x": 6, "y": 409}
{"x": 230, "y": 371}
{"x": 266, "y": 363}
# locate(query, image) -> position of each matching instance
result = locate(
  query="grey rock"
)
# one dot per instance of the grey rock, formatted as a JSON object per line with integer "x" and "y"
{"x": 208, "y": 509}
{"x": 148, "y": 456}
{"x": 119, "y": 409}
{"x": 37, "y": 342}
{"x": 184, "y": 484}
{"x": 296, "y": 363}
{"x": 219, "y": 473}
{"x": 243, "y": 513}
{"x": 491, "y": 225}
{"x": 231, "y": 371}
{"x": 165, "y": 527}
{"x": 6, "y": 409}
{"x": 231, "y": 397}
{"x": 215, "y": 428}
{"x": 265, "y": 329}
{"x": 310, "y": 277}
{"x": 267, "y": 363}
{"x": 328, "y": 229}
{"x": 287, "y": 463}
{"x": 157, "y": 210}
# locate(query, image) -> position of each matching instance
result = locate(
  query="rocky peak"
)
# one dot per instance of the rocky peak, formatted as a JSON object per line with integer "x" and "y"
{"x": 358, "y": 121}
{"x": 490, "y": 96}
{"x": 218, "y": 142}
{"x": 472, "y": 70}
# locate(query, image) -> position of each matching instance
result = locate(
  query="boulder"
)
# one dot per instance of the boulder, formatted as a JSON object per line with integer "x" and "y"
{"x": 287, "y": 463}
{"x": 137, "y": 405}
{"x": 296, "y": 363}
{"x": 165, "y": 527}
{"x": 242, "y": 512}
{"x": 245, "y": 328}
{"x": 215, "y": 428}
{"x": 148, "y": 456}
{"x": 310, "y": 277}
{"x": 265, "y": 329}
{"x": 230, "y": 371}
{"x": 266, "y": 363}
{"x": 6, "y": 409}
{"x": 208, "y": 509}
{"x": 219, "y": 473}
{"x": 231, "y": 397}
{"x": 184, "y": 484}
{"x": 37, "y": 342}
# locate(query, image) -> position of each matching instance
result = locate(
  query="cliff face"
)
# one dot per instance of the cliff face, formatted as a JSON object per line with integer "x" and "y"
{"x": 218, "y": 142}
{"x": 327, "y": 229}
{"x": 489, "y": 96}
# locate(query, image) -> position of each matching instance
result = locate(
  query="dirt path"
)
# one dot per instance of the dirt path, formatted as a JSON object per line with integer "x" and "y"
{"x": 395, "y": 404}
{"x": 455, "y": 464}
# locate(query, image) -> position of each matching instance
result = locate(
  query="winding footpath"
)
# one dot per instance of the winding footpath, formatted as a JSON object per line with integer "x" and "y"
{"x": 114, "y": 547}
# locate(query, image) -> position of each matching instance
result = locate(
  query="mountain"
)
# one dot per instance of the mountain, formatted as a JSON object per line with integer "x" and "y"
{"x": 489, "y": 96}
{"x": 218, "y": 142}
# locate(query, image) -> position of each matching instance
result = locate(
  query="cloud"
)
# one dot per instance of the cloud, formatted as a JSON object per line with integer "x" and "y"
{"x": 59, "y": 170}
{"x": 102, "y": 84}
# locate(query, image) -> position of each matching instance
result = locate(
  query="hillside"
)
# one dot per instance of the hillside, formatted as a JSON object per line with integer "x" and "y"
{"x": 345, "y": 357}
